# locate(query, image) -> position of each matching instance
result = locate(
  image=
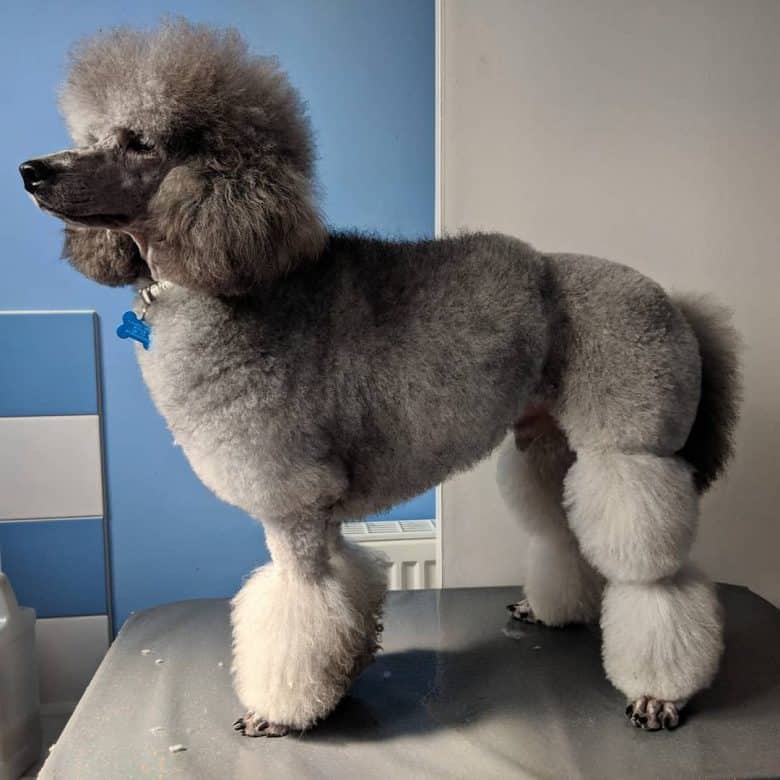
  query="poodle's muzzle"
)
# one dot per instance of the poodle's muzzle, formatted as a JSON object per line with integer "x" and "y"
{"x": 95, "y": 186}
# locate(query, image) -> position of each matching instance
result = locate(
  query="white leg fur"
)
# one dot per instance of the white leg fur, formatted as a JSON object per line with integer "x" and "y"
{"x": 634, "y": 515}
{"x": 299, "y": 640}
{"x": 561, "y": 587}
{"x": 531, "y": 492}
{"x": 365, "y": 583}
{"x": 662, "y": 639}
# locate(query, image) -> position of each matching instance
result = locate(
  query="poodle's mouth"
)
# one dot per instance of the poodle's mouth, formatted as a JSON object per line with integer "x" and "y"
{"x": 88, "y": 220}
{"x": 81, "y": 220}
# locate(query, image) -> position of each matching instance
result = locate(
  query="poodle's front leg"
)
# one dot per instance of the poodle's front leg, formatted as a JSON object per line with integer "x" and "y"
{"x": 301, "y": 629}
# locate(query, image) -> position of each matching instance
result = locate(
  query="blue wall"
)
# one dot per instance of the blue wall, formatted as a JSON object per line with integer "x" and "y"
{"x": 366, "y": 68}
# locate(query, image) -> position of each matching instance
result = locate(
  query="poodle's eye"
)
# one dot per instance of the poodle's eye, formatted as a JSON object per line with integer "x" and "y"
{"x": 132, "y": 141}
{"x": 135, "y": 143}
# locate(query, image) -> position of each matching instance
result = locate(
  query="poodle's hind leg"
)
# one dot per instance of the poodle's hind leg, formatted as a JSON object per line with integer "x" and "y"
{"x": 304, "y": 626}
{"x": 629, "y": 394}
{"x": 635, "y": 515}
{"x": 560, "y": 586}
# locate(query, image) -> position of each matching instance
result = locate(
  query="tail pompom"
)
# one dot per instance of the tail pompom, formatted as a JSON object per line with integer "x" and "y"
{"x": 710, "y": 443}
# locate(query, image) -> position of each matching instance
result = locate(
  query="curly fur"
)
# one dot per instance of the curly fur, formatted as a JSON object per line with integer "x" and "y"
{"x": 710, "y": 444}
{"x": 350, "y": 373}
{"x": 560, "y": 584}
{"x": 237, "y": 207}
{"x": 635, "y": 514}
{"x": 106, "y": 256}
{"x": 665, "y": 637}
{"x": 279, "y": 675}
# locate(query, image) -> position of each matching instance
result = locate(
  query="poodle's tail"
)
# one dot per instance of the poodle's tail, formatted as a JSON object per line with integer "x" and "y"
{"x": 710, "y": 442}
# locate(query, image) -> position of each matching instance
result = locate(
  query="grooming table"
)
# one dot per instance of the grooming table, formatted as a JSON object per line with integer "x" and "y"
{"x": 459, "y": 692}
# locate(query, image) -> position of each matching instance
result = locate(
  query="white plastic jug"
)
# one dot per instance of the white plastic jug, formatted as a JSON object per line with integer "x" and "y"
{"x": 20, "y": 722}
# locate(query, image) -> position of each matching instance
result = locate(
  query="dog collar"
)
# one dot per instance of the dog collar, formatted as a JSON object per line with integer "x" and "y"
{"x": 151, "y": 293}
{"x": 136, "y": 328}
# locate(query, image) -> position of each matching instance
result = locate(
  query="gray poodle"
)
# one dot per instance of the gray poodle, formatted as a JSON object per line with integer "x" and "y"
{"x": 314, "y": 377}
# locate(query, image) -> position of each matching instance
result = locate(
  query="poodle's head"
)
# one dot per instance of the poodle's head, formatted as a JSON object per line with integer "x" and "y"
{"x": 199, "y": 151}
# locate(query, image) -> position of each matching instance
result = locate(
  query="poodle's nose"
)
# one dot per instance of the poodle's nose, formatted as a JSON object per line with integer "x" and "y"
{"x": 34, "y": 173}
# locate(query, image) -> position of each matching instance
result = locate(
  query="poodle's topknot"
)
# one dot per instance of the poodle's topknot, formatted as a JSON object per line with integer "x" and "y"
{"x": 184, "y": 78}
{"x": 237, "y": 206}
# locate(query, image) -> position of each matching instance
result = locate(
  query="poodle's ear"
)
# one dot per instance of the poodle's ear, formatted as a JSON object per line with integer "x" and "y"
{"x": 226, "y": 233}
{"x": 106, "y": 256}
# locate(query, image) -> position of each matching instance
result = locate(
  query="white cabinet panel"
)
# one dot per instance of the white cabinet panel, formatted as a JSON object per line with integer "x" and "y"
{"x": 69, "y": 651}
{"x": 50, "y": 467}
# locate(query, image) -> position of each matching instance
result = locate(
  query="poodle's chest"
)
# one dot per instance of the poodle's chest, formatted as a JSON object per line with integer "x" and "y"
{"x": 227, "y": 443}
{"x": 207, "y": 391}
{"x": 225, "y": 410}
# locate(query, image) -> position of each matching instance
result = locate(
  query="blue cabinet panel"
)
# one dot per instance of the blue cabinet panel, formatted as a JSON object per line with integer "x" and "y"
{"x": 48, "y": 364}
{"x": 56, "y": 566}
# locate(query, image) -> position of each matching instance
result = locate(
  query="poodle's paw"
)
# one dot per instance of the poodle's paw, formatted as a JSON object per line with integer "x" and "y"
{"x": 653, "y": 714}
{"x": 522, "y": 610}
{"x": 252, "y": 725}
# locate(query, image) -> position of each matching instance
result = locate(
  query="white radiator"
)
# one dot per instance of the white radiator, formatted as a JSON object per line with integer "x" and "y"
{"x": 408, "y": 548}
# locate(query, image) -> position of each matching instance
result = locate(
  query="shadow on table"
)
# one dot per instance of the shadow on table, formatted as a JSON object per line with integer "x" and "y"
{"x": 751, "y": 663}
{"x": 540, "y": 677}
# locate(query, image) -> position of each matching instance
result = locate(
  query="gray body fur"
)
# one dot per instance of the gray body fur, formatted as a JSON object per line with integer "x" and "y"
{"x": 314, "y": 377}
{"x": 365, "y": 379}
{"x": 358, "y": 382}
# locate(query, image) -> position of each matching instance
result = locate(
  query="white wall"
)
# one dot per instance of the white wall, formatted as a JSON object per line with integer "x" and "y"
{"x": 647, "y": 133}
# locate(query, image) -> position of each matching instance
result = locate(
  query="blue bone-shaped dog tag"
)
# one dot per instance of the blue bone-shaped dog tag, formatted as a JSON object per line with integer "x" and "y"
{"x": 133, "y": 328}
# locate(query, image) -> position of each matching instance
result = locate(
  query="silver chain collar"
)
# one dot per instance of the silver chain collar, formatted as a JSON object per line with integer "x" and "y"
{"x": 151, "y": 293}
